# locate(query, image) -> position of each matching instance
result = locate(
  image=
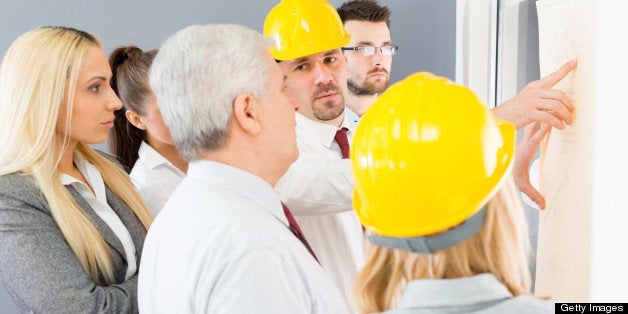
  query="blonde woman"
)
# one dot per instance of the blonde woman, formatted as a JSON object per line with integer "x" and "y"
{"x": 434, "y": 187}
{"x": 71, "y": 223}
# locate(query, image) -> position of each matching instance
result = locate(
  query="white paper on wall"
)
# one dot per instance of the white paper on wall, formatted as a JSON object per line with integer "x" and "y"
{"x": 567, "y": 30}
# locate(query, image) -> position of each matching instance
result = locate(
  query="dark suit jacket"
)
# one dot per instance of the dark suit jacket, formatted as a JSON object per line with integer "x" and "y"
{"x": 37, "y": 266}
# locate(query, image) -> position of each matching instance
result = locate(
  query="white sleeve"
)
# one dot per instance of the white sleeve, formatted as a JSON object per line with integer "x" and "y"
{"x": 316, "y": 185}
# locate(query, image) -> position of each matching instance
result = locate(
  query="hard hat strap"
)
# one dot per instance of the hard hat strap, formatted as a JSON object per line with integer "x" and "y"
{"x": 433, "y": 243}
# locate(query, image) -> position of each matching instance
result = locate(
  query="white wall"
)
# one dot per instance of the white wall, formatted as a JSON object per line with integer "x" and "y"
{"x": 476, "y": 47}
{"x": 609, "y": 257}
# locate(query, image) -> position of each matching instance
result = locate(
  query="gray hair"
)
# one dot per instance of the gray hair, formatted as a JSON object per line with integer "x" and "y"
{"x": 197, "y": 75}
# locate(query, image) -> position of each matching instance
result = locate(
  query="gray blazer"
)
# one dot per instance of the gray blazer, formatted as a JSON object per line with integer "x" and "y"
{"x": 37, "y": 266}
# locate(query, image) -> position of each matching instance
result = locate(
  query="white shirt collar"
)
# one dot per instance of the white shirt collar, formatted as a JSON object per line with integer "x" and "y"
{"x": 154, "y": 159}
{"x": 319, "y": 132}
{"x": 351, "y": 115}
{"x": 236, "y": 180}
{"x": 91, "y": 175}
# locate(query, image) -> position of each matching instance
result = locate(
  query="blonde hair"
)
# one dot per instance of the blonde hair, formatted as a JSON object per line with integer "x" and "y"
{"x": 499, "y": 248}
{"x": 40, "y": 69}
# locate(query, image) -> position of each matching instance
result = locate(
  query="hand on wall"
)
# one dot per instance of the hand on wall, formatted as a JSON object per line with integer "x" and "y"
{"x": 538, "y": 102}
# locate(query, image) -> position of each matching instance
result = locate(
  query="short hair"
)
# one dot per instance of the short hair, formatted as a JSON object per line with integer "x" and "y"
{"x": 196, "y": 76}
{"x": 364, "y": 10}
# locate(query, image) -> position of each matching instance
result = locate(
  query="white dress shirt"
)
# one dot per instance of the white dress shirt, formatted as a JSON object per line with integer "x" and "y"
{"x": 318, "y": 189}
{"x": 482, "y": 293}
{"x": 155, "y": 178}
{"x": 351, "y": 115}
{"x": 98, "y": 201}
{"x": 222, "y": 245}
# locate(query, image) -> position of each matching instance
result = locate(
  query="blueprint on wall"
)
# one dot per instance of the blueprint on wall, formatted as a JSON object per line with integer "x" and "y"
{"x": 567, "y": 30}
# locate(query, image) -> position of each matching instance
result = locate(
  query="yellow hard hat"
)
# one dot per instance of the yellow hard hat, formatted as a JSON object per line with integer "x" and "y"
{"x": 304, "y": 27}
{"x": 426, "y": 156}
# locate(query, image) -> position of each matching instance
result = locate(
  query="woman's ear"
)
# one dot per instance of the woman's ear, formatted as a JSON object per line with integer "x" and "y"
{"x": 246, "y": 112}
{"x": 134, "y": 118}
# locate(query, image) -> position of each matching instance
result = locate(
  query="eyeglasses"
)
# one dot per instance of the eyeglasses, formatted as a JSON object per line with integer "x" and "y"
{"x": 370, "y": 50}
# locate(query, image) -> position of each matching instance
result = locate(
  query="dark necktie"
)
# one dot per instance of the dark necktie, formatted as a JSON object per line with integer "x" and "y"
{"x": 343, "y": 142}
{"x": 294, "y": 227}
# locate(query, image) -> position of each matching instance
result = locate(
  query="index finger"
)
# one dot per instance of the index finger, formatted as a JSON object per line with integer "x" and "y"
{"x": 555, "y": 77}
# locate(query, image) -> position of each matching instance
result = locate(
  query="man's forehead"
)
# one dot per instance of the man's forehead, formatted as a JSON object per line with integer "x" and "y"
{"x": 367, "y": 29}
{"x": 316, "y": 56}
{"x": 372, "y": 42}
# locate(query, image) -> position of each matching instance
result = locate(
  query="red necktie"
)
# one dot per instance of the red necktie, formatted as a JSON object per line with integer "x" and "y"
{"x": 343, "y": 142}
{"x": 294, "y": 227}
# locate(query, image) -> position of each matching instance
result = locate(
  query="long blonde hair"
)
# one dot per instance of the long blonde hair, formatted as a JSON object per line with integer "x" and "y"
{"x": 499, "y": 248}
{"x": 40, "y": 69}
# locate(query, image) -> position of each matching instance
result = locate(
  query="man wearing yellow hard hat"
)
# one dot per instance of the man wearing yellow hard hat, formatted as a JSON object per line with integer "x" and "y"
{"x": 317, "y": 187}
{"x": 434, "y": 186}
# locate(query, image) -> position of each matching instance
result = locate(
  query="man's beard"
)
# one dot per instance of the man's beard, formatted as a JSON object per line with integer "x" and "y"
{"x": 328, "y": 110}
{"x": 368, "y": 88}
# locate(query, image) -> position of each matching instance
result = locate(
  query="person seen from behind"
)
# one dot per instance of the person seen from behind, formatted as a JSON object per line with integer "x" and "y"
{"x": 434, "y": 188}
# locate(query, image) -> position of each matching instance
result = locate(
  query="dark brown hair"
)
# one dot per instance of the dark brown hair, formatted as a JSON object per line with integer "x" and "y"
{"x": 130, "y": 66}
{"x": 364, "y": 10}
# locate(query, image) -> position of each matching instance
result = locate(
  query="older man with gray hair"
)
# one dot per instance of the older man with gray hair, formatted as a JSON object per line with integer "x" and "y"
{"x": 224, "y": 243}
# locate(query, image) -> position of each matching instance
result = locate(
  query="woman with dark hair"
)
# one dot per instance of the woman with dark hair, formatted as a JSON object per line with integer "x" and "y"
{"x": 140, "y": 138}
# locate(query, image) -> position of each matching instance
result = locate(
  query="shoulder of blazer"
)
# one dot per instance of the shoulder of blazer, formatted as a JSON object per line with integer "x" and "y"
{"x": 21, "y": 188}
{"x": 111, "y": 158}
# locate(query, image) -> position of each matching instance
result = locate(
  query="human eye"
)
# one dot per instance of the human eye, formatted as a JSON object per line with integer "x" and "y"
{"x": 366, "y": 50}
{"x": 330, "y": 59}
{"x": 301, "y": 67}
{"x": 95, "y": 88}
{"x": 389, "y": 49}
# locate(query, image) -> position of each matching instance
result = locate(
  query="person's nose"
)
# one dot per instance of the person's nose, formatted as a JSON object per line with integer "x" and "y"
{"x": 114, "y": 102}
{"x": 322, "y": 73}
{"x": 378, "y": 57}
